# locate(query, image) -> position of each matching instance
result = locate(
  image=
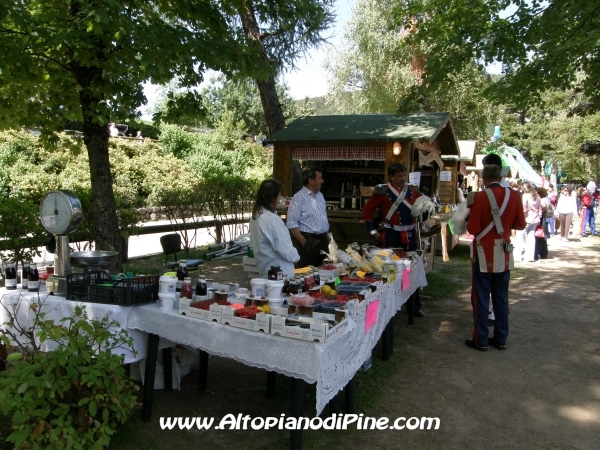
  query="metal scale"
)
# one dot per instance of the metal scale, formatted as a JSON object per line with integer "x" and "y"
{"x": 61, "y": 214}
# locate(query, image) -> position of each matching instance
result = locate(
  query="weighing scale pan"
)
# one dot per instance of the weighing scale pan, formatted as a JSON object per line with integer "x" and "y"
{"x": 94, "y": 259}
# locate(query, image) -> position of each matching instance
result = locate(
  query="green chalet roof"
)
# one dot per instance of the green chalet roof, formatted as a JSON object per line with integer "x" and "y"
{"x": 363, "y": 128}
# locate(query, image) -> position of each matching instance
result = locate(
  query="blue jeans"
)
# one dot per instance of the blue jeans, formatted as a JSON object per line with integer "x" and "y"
{"x": 487, "y": 285}
{"x": 590, "y": 220}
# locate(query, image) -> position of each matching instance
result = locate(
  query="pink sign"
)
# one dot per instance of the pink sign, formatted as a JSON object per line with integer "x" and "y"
{"x": 371, "y": 318}
{"x": 405, "y": 279}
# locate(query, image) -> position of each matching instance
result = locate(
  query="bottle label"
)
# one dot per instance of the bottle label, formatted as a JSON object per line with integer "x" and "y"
{"x": 34, "y": 286}
{"x": 25, "y": 282}
{"x": 179, "y": 284}
{"x": 10, "y": 283}
{"x": 342, "y": 202}
{"x": 353, "y": 203}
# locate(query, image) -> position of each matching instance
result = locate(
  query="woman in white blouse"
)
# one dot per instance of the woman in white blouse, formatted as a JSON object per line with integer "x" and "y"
{"x": 271, "y": 241}
{"x": 566, "y": 207}
{"x": 533, "y": 214}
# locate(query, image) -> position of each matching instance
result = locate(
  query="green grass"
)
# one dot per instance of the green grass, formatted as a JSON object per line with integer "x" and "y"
{"x": 448, "y": 278}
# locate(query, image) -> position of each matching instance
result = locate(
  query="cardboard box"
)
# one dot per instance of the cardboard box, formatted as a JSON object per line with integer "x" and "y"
{"x": 261, "y": 323}
{"x": 318, "y": 331}
{"x": 212, "y": 315}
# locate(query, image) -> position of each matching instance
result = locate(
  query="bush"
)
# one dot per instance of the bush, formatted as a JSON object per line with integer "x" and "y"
{"x": 73, "y": 397}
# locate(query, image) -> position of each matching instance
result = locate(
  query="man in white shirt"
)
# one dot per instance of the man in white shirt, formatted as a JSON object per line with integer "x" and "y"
{"x": 307, "y": 219}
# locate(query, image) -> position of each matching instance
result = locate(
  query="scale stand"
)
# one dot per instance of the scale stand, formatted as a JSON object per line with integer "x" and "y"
{"x": 57, "y": 283}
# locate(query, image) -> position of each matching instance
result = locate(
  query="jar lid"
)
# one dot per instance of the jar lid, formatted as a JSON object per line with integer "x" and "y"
{"x": 276, "y": 267}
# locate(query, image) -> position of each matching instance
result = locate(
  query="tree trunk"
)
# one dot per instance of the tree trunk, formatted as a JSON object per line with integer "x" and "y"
{"x": 266, "y": 88}
{"x": 95, "y": 137}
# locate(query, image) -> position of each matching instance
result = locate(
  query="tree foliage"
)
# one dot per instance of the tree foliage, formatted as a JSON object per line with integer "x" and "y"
{"x": 86, "y": 60}
{"x": 552, "y": 132}
{"x": 540, "y": 44}
{"x": 241, "y": 98}
{"x": 378, "y": 66}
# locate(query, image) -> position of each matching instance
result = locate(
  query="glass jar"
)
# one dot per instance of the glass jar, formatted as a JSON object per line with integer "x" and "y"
{"x": 25, "y": 275}
{"x": 186, "y": 288}
{"x": 34, "y": 278}
{"x": 182, "y": 272}
{"x": 275, "y": 273}
{"x": 201, "y": 289}
{"x": 10, "y": 276}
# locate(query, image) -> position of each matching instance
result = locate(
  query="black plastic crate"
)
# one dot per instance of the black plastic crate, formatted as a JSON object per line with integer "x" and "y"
{"x": 98, "y": 287}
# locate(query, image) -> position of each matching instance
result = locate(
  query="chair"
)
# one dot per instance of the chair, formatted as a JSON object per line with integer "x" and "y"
{"x": 171, "y": 245}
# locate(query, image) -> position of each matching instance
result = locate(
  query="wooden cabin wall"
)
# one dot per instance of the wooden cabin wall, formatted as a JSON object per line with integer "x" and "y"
{"x": 448, "y": 188}
{"x": 282, "y": 167}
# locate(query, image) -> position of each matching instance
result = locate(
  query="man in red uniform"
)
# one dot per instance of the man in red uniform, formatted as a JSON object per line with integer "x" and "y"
{"x": 493, "y": 258}
{"x": 399, "y": 225}
{"x": 394, "y": 200}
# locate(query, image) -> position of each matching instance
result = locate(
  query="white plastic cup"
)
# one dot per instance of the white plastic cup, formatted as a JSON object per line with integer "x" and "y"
{"x": 259, "y": 287}
{"x": 167, "y": 285}
{"x": 166, "y": 302}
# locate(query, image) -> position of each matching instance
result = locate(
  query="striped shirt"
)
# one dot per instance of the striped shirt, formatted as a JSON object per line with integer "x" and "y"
{"x": 308, "y": 212}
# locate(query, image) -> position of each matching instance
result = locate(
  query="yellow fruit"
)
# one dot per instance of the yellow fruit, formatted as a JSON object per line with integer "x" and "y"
{"x": 333, "y": 292}
{"x": 326, "y": 290}
{"x": 261, "y": 308}
{"x": 266, "y": 308}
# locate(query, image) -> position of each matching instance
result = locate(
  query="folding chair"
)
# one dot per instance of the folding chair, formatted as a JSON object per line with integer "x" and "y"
{"x": 171, "y": 245}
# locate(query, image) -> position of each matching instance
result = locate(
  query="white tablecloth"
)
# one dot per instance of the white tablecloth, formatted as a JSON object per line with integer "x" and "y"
{"x": 56, "y": 307}
{"x": 331, "y": 365}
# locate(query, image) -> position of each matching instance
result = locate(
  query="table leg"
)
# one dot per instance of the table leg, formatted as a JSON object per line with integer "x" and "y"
{"x": 385, "y": 343}
{"x": 349, "y": 394}
{"x": 149, "y": 374}
{"x": 411, "y": 309}
{"x": 297, "y": 411}
{"x": 334, "y": 405}
{"x": 168, "y": 369}
{"x": 391, "y": 325}
{"x": 203, "y": 376}
{"x": 271, "y": 383}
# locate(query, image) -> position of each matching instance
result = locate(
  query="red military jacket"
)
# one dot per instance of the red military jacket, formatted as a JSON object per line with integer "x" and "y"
{"x": 383, "y": 199}
{"x": 489, "y": 247}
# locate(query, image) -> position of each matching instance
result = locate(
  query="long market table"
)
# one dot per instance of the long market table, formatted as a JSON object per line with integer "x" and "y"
{"x": 331, "y": 365}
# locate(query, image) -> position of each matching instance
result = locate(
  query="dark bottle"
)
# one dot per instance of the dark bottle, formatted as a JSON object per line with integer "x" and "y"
{"x": 201, "y": 289}
{"x": 286, "y": 284}
{"x": 182, "y": 272}
{"x": 186, "y": 288}
{"x": 34, "y": 279}
{"x": 275, "y": 273}
{"x": 355, "y": 198}
{"x": 10, "y": 276}
{"x": 25, "y": 275}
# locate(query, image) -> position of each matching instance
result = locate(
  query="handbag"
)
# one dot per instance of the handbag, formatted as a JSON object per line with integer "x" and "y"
{"x": 539, "y": 231}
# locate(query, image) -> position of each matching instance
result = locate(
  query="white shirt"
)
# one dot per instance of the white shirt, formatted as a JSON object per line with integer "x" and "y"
{"x": 272, "y": 244}
{"x": 308, "y": 212}
{"x": 567, "y": 204}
